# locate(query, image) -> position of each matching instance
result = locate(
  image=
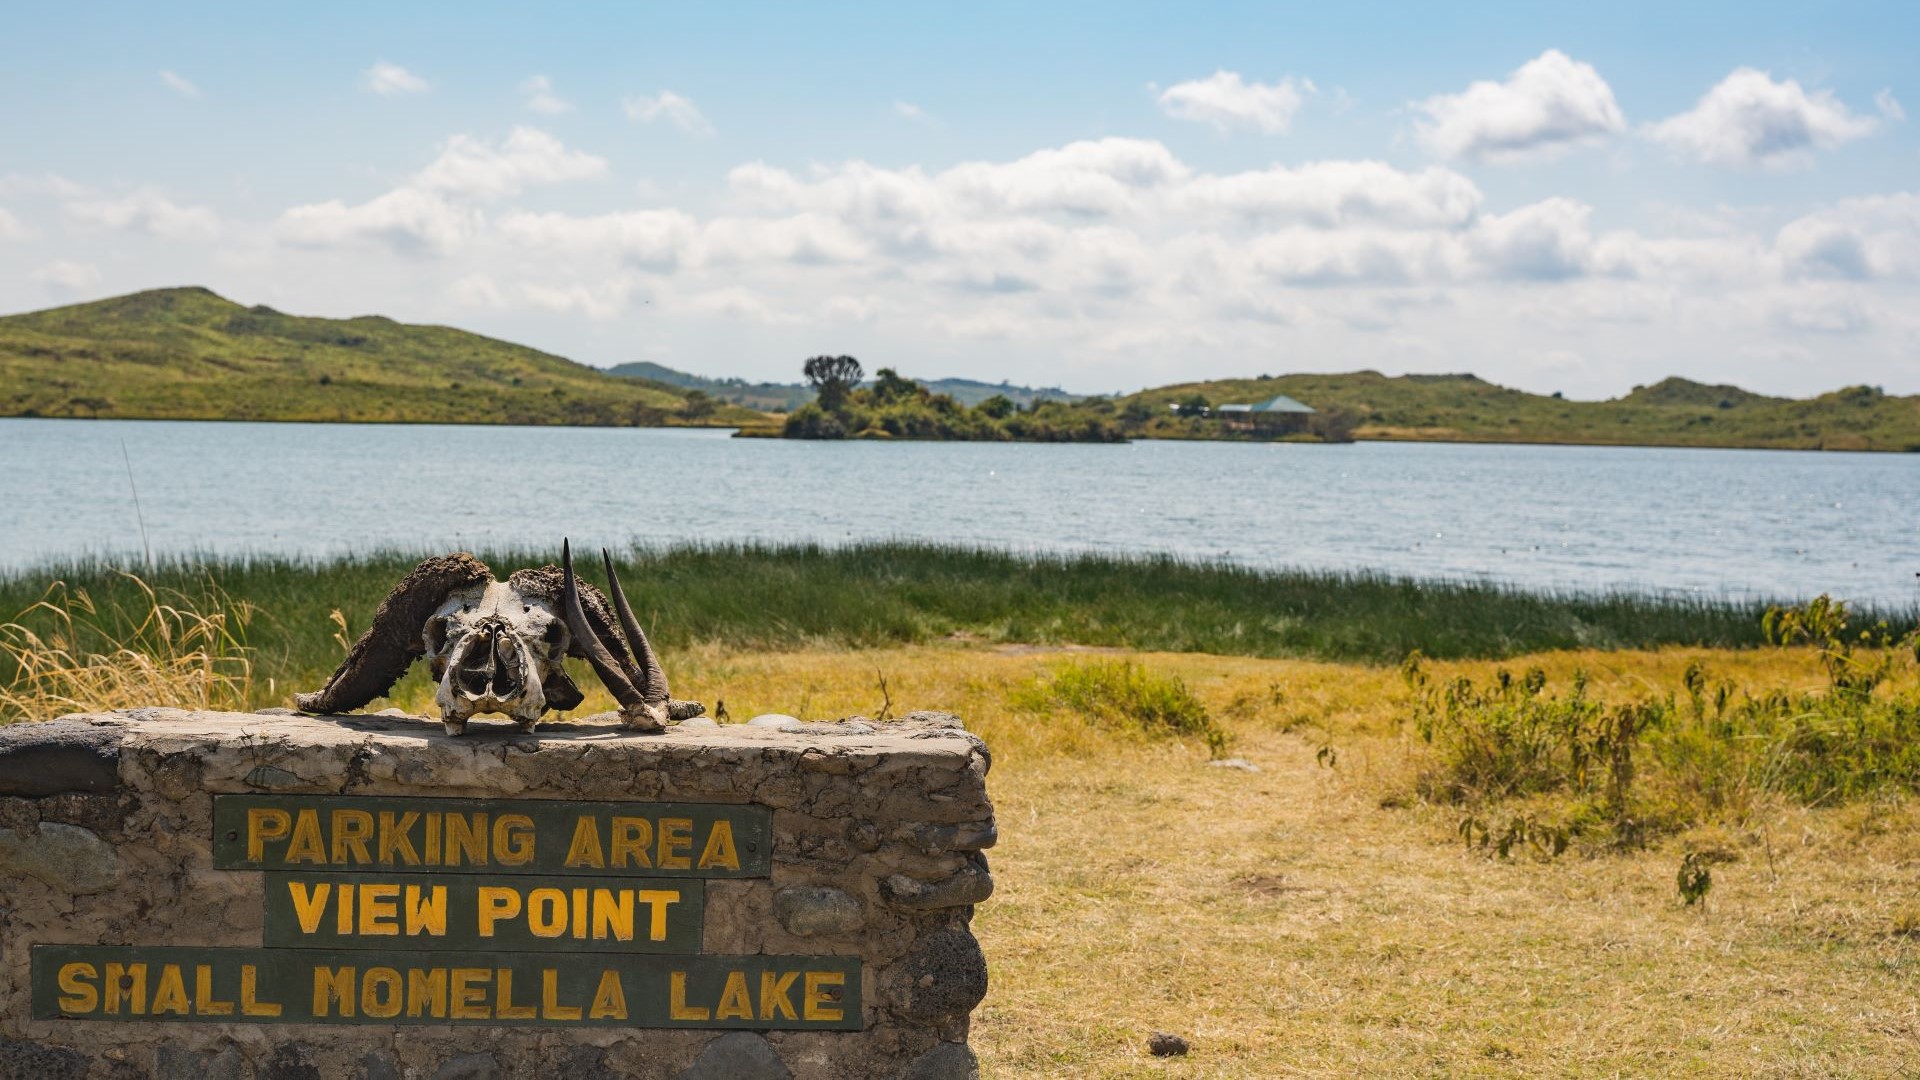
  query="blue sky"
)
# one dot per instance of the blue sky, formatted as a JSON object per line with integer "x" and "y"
{"x": 1102, "y": 196}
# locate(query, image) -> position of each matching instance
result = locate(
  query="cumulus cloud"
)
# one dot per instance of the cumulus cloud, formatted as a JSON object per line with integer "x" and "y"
{"x": 541, "y": 98}
{"x": 1750, "y": 120}
{"x": 669, "y": 107}
{"x": 1228, "y": 102}
{"x": 655, "y": 239}
{"x": 67, "y": 275}
{"x": 1550, "y": 105}
{"x": 179, "y": 84}
{"x": 10, "y": 227}
{"x": 392, "y": 80}
{"x": 907, "y": 110}
{"x": 1333, "y": 193}
{"x": 1876, "y": 237}
{"x": 434, "y": 211}
{"x": 147, "y": 212}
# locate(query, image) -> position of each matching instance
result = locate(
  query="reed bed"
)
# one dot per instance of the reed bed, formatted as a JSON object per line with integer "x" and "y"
{"x": 745, "y": 597}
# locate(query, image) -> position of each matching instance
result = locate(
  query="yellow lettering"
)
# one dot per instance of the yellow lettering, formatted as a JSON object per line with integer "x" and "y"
{"x": 380, "y": 993}
{"x": 127, "y": 981}
{"x": 677, "y": 1006}
{"x": 657, "y": 900}
{"x": 170, "y": 995}
{"x": 497, "y": 902}
{"x": 432, "y": 845}
{"x": 305, "y": 845}
{"x": 613, "y": 914}
{"x": 734, "y": 1002}
{"x": 513, "y": 839}
{"x": 547, "y": 912}
{"x": 466, "y": 840}
{"x": 428, "y": 913}
{"x": 250, "y": 1005}
{"x": 343, "y": 914}
{"x": 631, "y": 838}
{"x": 309, "y": 904}
{"x": 331, "y": 987}
{"x": 822, "y": 998}
{"x": 507, "y": 1010}
{"x": 609, "y": 998}
{"x": 427, "y": 992}
{"x": 676, "y": 841}
{"x": 550, "y": 1007}
{"x": 264, "y": 824}
{"x": 774, "y": 991}
{"x": 377, "y": 903}
{"x": 585, "y": 848}
{"x": 204, "y": 1003}
{"x": 351, "y": 830}
{"x": 394, "y": 840}
{"x": 76, "y": 986}
{"x": 719, "y": 850}
{"x": 579, "y": 913}
{"x": 470, "y": 1001}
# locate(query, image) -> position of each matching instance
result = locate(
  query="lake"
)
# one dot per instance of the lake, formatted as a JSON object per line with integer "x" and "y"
{"x": 1735, "y": 522}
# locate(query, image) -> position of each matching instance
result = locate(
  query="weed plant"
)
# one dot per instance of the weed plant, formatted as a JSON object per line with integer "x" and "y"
{"x": 1702, "y": 752}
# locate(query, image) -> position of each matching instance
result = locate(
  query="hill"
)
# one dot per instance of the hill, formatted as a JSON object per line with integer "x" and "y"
{"x": 786, "y": 397}
{"x": 188, "y": 354}
{"x": 1466, "y": 408}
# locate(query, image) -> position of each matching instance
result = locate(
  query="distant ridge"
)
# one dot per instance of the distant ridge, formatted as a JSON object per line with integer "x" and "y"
{"x": 1671, "y": 412}
{"x": 190, "y": 354}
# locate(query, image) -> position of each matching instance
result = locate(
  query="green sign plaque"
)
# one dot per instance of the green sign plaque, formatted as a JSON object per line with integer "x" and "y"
{"x": 490, "y": 836}
{"x": 471, "y": 911}
{"x": 326, "y": 986}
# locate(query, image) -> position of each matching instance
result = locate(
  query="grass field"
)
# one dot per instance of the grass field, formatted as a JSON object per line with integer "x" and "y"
{"x": 1319, "y": 913}
{"x": 744, "y": 598}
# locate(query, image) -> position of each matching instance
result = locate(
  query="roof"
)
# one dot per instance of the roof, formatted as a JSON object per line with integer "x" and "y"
{"x": 1281, "y": 403}
{"x": 1233, "y": 408}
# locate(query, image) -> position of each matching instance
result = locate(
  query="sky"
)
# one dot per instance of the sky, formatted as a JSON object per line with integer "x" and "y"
{"x": 1573, "y": 198}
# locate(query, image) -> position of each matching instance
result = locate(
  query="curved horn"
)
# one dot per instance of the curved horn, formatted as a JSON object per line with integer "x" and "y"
{"x": 603, "y": 662}
{"x": 393, "y": 642}
{"x": 652, "y": 679}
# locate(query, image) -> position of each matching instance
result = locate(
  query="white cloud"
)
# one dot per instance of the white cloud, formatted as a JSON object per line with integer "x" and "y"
{"x": 655, "y": 239}
{"x": 147, "y": 212}
{"x": 907, "y": 110}
{"x": 67, "y": 275}
{"x": 10, "y": 227}
{"x": 1875, "y": 237}
{"x": 406, "y": 219}
{"x": 1550, "y": 105}
{"x": 1333, "y": 193}
{"x": 1889, "y": 105}
{"x": 392, "y": 80}
{"x": 432, "y": 212}
{"x": 541, "y": 98}
{"x": 471, "y": 167}
{"x": 179, "y": 85}
{"x": 668, "y": 106}
{"x": 1226, "y": 101}
{"x": 1751, "y": 120}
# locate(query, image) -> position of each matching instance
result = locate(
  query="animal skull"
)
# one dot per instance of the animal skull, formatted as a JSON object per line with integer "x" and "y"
{"x": 500, "y": 646}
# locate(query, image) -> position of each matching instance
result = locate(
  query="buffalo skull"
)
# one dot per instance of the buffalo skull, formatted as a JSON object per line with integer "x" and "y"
{"x": 499, "y": 646}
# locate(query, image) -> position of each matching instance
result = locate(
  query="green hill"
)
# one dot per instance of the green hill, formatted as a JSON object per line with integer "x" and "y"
{"x": 1466, "y": 408}
{"x": 188, "y": 354}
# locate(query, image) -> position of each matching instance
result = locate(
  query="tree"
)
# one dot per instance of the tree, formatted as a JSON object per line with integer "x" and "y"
{"x": 698, "y": 406}
{"x": 999, "y": 407}
{"x": 1195, "y": 405}
{"x": 833, "y": 378}
{"x": 889, "y": 386}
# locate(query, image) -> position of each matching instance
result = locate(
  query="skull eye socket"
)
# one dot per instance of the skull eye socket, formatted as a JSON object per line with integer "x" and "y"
{"x": 553, "y": 632}
{"x": 436, "y": 636}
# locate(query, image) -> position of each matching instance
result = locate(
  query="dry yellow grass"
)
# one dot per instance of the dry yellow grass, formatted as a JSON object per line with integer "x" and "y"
{"x": 1289, "y": 924}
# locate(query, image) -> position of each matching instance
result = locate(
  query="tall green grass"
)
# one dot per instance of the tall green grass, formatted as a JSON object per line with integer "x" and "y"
{"x": 749, "y": 596}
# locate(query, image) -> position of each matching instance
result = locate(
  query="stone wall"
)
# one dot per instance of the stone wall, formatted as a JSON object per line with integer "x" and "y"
{"x": 106, "y": 838}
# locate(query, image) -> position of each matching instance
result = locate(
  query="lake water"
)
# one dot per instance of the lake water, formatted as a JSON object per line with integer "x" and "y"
{"x": 1714, "y": 521}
